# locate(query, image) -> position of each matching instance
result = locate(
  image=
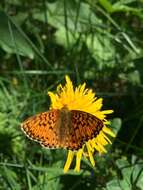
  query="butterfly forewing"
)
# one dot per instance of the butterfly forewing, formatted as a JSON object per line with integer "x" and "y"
{"x": 42, "y": 128}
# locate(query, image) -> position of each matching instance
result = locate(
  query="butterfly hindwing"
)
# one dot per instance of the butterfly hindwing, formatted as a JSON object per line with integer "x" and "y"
{"x": 85, "y": 126}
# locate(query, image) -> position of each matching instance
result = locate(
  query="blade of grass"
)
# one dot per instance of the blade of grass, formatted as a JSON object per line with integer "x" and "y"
{"x": 17, "y": 55}
{"x": 58, "y": 171}
{"x": 31, "y": 43}
{"x": 28, "y": 180}
{"x": 10, "y": 177}
{"x": 134, "y": 134}
{"x": 39, "y": 72}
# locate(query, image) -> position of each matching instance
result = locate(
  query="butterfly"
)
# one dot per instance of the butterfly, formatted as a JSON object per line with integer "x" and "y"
{"x": 62, "y": 128}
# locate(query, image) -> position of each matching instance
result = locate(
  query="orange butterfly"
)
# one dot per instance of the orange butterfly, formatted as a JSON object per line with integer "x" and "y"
{"x": 62, "y": 128}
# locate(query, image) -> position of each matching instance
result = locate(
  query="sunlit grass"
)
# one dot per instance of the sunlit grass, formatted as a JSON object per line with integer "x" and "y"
{"x": 96, "y": 42}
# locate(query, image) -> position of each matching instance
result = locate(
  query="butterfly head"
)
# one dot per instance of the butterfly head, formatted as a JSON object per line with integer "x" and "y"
{"x": 65, "y": 108}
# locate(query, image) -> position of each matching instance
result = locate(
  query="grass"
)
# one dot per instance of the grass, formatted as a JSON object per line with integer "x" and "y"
{"x": 97, "y": 42}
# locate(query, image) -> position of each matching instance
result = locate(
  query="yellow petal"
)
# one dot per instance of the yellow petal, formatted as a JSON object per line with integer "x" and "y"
{"x": 102, "y": 149}
{"x": 78, "y": 159}
{"x": 82, "y": 88}
{"x": 106, "y": 138}
{"x": 107, "y": 122}
{"x": 101, "y": 138}
{"x": 69, "y": 160}
{"x": 107, "y": 111}
{"x": 90, "y": 153}
{"x": 108, "y": 131}
{"x": 52, "y": 96}
{"x": 94, "y": 144}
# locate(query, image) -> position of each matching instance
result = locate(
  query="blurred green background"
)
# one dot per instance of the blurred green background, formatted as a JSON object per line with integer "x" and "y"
{"x": 99, "y": 42}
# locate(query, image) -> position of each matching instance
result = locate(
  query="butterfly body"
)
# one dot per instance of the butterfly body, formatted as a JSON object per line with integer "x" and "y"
{"x": 64, "y": 124}
{"x": 62, "y": 128}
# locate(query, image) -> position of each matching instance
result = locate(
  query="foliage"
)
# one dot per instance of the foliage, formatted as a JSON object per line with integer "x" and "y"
{"x": 99, "y": 42}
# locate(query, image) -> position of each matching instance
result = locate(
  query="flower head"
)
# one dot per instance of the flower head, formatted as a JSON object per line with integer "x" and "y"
{"x": 82, "y": 99}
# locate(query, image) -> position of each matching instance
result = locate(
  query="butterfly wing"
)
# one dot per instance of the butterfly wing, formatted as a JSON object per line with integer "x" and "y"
{"x": 42, "y": 128}
{"x": 85, "y": 126}
{"x": 53, "y": 130}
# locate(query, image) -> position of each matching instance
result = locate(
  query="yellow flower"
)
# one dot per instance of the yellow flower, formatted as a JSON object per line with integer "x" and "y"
{"x": 82, "y": 99}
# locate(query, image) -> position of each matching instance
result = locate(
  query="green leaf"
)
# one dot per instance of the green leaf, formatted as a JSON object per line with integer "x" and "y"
{"x": 116, "y": 124}
{"x": 10, "y": 178}
{"x": 11, "y": 39}
{"x": 119, "y": 7}
{"x": 101, "y": 49}
{"x": 66, "y": 38}
{"x": 112, "y": 185}
{"x": 77, "y": 18}
{"x": 134, "y": 77}
{"x": 132, "y": 174}
{"x": 106, "y": 5}
{"x": 140, "y": 179}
